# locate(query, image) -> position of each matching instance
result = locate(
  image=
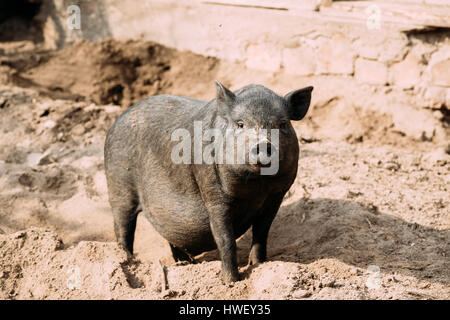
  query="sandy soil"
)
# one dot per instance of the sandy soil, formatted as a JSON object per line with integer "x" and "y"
{"x": 367, "y": 218}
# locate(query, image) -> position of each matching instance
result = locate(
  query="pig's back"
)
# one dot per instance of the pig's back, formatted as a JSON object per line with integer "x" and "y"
{"x": 146, "y": 127}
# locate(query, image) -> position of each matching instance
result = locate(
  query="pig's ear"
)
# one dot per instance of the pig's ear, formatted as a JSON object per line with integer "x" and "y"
{"x": 298, "y": 102}
{"x": 223, "y": 94}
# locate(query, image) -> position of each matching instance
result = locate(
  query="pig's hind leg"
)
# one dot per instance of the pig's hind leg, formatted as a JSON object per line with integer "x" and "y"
{"x": 125, "y": 208}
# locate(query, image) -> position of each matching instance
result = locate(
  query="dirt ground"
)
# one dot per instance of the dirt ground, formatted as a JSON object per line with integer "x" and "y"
{"x": 367, "y": 217}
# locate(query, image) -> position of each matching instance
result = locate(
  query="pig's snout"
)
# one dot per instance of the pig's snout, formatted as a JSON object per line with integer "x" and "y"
{"x": 262, "y": 152}
{"x": 262, "y": 148}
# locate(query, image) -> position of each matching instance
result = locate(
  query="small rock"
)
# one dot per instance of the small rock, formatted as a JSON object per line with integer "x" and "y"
{"x": 425, "y": 285}
{"x": 393, "y": 166}
{"x": 112, "y": 109}
{"x": 49, "y": 124}
{"x": 327, "y": 282}
{"x": 438, "y": 115}
{"x": 89, "y": 125}
{"x": 47, "y": 159}
{"x": 300, "y": 294}
{"x": 19, "y": 234}
{"x": 78, "y": 130}
{"x": 308, "y": 139}
{"x": 353, "y": 194}
{"x": 374, "y": 162}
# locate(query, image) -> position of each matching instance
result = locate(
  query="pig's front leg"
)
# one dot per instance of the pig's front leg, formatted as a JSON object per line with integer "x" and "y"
{"x": 222, "y": 230}
{"x": 261, "y": 226}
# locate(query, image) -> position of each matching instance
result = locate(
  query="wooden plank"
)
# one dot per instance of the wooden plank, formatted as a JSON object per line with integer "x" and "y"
{"x": 393, "y": 13}
{"x": 283, "y": 5}
{"x": 400, "y": 15}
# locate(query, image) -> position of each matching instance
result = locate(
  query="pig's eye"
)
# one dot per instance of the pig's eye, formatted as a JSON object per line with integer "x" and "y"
{"x": 240, "y": 124}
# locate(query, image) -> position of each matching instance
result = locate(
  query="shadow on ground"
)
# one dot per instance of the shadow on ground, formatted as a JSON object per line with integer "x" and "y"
{"x": 314, "y": 229}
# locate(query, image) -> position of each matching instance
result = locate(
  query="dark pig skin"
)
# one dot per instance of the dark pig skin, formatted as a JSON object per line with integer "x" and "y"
{"x": 200, "y": 207}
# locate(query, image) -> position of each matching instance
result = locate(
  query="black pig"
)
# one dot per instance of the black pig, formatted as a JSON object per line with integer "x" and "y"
{"x": 196, "y": 206}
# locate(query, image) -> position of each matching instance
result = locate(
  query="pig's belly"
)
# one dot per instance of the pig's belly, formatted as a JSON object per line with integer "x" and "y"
{"x": 182, "y": 221}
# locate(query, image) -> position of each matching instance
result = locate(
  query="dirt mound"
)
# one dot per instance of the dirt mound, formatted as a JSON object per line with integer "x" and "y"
{"x": 111, "y": 72}
{"x": 34, "y": 266}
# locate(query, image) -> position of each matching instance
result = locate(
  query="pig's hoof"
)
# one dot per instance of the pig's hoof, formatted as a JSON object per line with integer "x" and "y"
{"x": 254, "y": 259}
{"x": 230, "y": 278}
{"x": 254, "y": 262}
